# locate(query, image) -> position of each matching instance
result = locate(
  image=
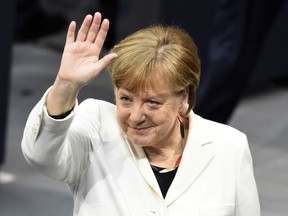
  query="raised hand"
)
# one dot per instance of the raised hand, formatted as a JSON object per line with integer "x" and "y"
{"x": 80, "y": 62}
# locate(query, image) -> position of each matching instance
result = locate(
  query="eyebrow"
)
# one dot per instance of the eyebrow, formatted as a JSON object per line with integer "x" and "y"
{"x": 147, "y": 95}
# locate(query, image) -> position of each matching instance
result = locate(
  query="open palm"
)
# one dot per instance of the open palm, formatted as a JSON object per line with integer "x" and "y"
{"x": 80, "y": 61}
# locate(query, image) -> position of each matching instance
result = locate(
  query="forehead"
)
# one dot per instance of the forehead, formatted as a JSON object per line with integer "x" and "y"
{"x": 148, "y": 93}
{"x": 156, "y": 81}
{"x": 151, "y": 85}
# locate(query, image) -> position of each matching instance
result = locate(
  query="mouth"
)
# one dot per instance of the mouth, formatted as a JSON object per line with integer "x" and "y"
{"x": 139, "y": 130}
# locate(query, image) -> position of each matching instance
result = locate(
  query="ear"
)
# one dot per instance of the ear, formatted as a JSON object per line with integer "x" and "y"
{"x": 183, "y": 103}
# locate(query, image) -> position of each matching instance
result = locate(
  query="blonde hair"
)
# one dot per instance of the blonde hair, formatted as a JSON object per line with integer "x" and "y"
{"x": 157, "y": 52}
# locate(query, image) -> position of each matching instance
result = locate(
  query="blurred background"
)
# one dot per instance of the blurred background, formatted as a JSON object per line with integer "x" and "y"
{"x": 31, "y": 42}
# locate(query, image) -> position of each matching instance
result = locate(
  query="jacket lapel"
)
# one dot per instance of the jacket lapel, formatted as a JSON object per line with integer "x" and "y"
{"x": 195, "y": 159}
{"x": 144, "y": 167}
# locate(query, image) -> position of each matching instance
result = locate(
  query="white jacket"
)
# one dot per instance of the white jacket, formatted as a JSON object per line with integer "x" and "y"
{"x": 109, "y": 176}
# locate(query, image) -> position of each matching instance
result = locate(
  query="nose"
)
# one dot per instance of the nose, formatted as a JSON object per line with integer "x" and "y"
{"x": 137, "y": 114}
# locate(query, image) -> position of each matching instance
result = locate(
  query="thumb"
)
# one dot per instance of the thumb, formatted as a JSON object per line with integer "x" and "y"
{"x": 106, "y": 60}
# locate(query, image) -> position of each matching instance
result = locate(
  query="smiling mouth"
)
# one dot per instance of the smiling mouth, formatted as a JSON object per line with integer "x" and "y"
{"x": 140, "y": 130}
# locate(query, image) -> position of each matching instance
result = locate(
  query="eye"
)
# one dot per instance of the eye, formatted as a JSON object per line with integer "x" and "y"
{"x": 153, "y": 103}
{"x": 125, "y": 99}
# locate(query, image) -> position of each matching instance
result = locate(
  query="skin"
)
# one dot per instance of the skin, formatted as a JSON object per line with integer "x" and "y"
{"x": 148, "y": 118}
{"x": 80, "y": 63}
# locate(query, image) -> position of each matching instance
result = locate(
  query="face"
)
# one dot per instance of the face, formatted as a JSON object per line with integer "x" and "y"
{"x": 149, "y": 118}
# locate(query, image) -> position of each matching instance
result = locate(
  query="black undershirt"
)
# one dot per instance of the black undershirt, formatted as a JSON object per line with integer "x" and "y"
{"x": 164, "y": 179}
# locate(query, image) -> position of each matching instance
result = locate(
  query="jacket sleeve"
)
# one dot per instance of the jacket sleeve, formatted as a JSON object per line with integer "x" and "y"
{"x": 247, "y": 200}
{"x": 48, "y": 148}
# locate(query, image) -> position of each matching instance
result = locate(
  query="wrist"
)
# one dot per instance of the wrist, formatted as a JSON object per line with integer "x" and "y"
{"x": 61, "y": 98}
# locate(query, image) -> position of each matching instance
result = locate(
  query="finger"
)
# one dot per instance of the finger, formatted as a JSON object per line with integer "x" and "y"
{"x": 82, "y": 33}
{"x": 100, "y": 39}
{"x": 94, "y": 28}
{"x": 70, "y": 37}
{"x": 103, "y": 62}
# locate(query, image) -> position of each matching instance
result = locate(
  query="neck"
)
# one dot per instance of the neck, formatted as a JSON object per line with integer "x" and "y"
{"x": 169, "y": 155}
{"x": 165, "y": 157}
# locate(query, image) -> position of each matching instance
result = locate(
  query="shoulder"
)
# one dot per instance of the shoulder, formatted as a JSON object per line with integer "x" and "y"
{"x": 215, "y": 128}
{"x": 221, "y": 134}
{"x": 92, "y": 103}
{"x": 95, "y": 106}
{"x": 95, "y": 113}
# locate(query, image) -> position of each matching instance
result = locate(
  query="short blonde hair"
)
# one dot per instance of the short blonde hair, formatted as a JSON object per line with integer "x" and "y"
{"x": 165, "y": 52}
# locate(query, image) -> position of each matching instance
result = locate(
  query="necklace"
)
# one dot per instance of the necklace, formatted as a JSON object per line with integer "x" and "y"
{"x": 166, "y": 170}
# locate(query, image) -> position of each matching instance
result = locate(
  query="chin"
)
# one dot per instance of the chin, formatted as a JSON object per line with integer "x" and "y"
{"x": 142, "y": 141}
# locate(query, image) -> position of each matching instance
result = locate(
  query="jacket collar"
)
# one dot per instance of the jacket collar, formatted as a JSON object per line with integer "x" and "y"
{"x": 196, "y": 158}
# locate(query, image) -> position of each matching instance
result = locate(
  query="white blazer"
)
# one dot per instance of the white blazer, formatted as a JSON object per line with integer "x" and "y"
{"x": 108, "y": 175}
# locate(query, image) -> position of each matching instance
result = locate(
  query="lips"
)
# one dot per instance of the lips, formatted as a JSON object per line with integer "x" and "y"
{"x": 139, "y": 130}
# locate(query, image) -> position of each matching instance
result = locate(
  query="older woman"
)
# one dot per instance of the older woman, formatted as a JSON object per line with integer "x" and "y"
{"x": 149, "y": 154}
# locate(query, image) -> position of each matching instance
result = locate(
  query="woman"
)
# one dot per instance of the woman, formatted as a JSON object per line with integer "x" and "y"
{"x": 149, "y": 154}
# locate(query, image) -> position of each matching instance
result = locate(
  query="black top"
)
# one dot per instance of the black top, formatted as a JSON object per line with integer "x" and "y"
{"x": 164, "y": 179}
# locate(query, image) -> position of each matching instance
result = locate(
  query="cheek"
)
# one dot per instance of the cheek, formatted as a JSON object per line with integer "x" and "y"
{"x": 164, "y": 121}
{"x": 168, "y": 122}
{"x": 122, "y": 117}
